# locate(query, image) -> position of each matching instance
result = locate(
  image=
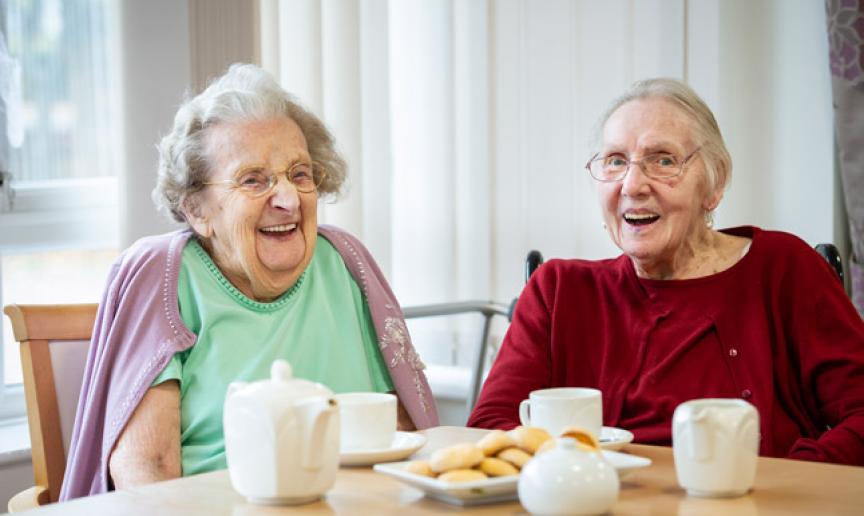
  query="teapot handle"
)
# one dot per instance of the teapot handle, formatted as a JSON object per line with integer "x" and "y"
{"x": 699, "y": 444}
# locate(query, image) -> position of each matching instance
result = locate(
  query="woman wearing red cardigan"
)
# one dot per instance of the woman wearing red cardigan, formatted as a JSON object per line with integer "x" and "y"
{"x": 686, "y": 311}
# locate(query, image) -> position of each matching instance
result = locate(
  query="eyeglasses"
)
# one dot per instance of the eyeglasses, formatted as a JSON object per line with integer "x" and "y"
{"x": 660, "y": 165}
{"x": 255, "y": 182}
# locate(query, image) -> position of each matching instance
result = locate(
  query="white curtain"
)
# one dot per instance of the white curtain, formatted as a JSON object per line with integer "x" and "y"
{"x": 467, "y": 123}
{"x": 403, "y": 86}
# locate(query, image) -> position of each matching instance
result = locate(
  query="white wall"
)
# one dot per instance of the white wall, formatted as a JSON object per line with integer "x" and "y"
{"x": 156, "y": 74}
{"x": 169, "y": 48}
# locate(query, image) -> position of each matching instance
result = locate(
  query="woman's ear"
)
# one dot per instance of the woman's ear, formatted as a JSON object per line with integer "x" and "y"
{"x": 196, "y": 216}
{"x": 712, "y": 200}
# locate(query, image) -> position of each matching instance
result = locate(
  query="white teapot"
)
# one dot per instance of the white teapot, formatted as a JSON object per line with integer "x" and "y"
{"x": 281, "y": 438}
{"x": 568, "y": 480}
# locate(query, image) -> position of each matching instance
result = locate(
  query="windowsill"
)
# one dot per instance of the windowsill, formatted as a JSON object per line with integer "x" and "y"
{"x": 14, "y": 442}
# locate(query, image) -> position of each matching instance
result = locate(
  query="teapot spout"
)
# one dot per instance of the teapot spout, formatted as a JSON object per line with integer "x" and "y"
{"x": 322, "y": 417}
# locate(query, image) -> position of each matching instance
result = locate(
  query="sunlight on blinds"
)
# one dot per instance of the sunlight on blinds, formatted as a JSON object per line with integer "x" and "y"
{"x": 64, "y": 50}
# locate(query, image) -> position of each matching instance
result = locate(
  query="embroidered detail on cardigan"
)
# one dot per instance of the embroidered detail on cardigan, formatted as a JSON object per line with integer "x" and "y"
{"x": 169, "y": 268}
{"x": 396, "y": 338}
{"x": 421, "y": 392}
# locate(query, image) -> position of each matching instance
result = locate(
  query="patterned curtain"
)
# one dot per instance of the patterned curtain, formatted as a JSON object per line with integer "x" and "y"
{"x": 846, "y": 36}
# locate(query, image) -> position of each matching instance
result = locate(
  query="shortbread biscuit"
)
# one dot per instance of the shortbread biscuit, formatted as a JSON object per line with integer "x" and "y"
{"x": 529, "y": 438}
{"x": 583, "y": 437}
{"x": 420, "y": 467}
{"x": 495, "y": 441}
{"x": 458, "y": 456}
{"x": 548, "y": 445}
{"x": 495, "y": 467}
{"x": 552, "y": 443}
{"x": 515, "y": 456}
{"x": 462, "y": 475}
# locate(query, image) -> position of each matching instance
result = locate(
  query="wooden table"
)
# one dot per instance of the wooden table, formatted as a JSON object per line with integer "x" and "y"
{"x": 782, "y": 487}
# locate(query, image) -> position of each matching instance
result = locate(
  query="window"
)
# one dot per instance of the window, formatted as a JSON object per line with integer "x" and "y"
{"x": 60, "y": 145}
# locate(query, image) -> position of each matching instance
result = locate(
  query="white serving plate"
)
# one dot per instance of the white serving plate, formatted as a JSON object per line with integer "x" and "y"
{"x": 492, "y": 490}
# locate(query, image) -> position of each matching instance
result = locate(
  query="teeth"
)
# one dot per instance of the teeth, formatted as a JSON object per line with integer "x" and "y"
{"x": 279, "y": 229}
{"x": 639, "y": 216}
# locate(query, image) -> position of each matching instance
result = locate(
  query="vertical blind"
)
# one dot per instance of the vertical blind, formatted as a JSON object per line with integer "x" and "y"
{"x": 63, "y": 125}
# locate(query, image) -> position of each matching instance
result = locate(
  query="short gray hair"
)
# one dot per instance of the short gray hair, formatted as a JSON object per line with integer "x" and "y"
{"x": 715, "y": 155}
{"x": 244, "y": 92}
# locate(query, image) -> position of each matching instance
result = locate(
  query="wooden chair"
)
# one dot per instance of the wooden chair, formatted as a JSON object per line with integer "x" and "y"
{"x": 54, "y": 341}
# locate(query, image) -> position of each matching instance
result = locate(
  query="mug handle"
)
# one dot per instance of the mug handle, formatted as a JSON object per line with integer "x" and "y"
{"x": 525, "y": 412}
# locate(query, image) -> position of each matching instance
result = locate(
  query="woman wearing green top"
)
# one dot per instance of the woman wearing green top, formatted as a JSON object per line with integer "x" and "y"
{"x": 255, "y": 279}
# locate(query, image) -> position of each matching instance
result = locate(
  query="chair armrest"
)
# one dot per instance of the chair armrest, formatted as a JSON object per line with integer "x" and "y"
{"x": 29, "y": 499}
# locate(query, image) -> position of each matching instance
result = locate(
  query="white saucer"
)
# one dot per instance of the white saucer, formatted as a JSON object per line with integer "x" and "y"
{"x": 404, "y": 445}
{"x": 614, "y": 439}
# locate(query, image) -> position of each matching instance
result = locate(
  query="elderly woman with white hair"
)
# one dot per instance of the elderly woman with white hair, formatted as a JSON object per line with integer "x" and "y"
{"x": 253, "y": 278}
{"x": 686, "y": 311}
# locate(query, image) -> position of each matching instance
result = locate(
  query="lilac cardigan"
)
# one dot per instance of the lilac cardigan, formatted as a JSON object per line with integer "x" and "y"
{"x": 138, "y": 329}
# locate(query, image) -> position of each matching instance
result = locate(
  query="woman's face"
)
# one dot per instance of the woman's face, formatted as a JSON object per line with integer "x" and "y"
{"x": 656, "y": 222}
{"x": 262, "y": 245}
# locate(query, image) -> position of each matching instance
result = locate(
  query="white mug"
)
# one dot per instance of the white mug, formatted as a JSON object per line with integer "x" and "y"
{"x": 556, "y": 409}
{"x": 715, "y": 443}
{"x": 368, "y": 420}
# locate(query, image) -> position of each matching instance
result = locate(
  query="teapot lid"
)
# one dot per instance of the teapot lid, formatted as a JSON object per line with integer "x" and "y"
{"x": 281, "y": 385}
{"x": 282, "y": 375}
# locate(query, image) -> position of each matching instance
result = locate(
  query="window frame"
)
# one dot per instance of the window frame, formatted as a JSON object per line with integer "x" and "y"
{"x": 61, "y": 214}
{"x": 54, "y": 215}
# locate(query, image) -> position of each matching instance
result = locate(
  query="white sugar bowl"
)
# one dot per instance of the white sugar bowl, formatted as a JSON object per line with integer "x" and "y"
{"x": 568, "y": 480}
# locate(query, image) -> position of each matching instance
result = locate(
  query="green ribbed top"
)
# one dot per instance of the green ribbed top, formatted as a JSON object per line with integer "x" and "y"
{"x": 321, "y": 325}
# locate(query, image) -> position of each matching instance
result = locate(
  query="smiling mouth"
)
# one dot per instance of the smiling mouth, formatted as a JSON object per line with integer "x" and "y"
{"x": 640, "y": 219}
{"x": 280, "y": 230}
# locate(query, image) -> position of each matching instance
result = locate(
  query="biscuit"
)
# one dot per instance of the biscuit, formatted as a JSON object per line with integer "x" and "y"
{"x": 462, "y": 475}
{"x": 495, "y": 441}
{"x": 583, "y": 437}
{"x": 515, "y": 456}
{"x": 529, "y": 438}
{"x": 548, "y": 445}
{"x": 458, "y": 456}
{"x": 420, "y": 467}
{"x": 497, "y": 467}
{"x": 552, "y": 443}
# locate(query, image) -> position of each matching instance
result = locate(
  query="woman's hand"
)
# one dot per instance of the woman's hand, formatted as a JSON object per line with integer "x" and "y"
{"x": 148, "y": 450}
{"x": 403, "y": 420}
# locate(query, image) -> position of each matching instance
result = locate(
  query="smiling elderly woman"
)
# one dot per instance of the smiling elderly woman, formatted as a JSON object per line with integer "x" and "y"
{"x": 255, "y": 279}
{"x": 686, "y": 311}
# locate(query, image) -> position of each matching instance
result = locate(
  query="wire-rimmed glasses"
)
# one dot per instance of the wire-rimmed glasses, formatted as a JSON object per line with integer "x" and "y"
{"x": 256, "y": 182}
{"x": 659, "y": 165}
